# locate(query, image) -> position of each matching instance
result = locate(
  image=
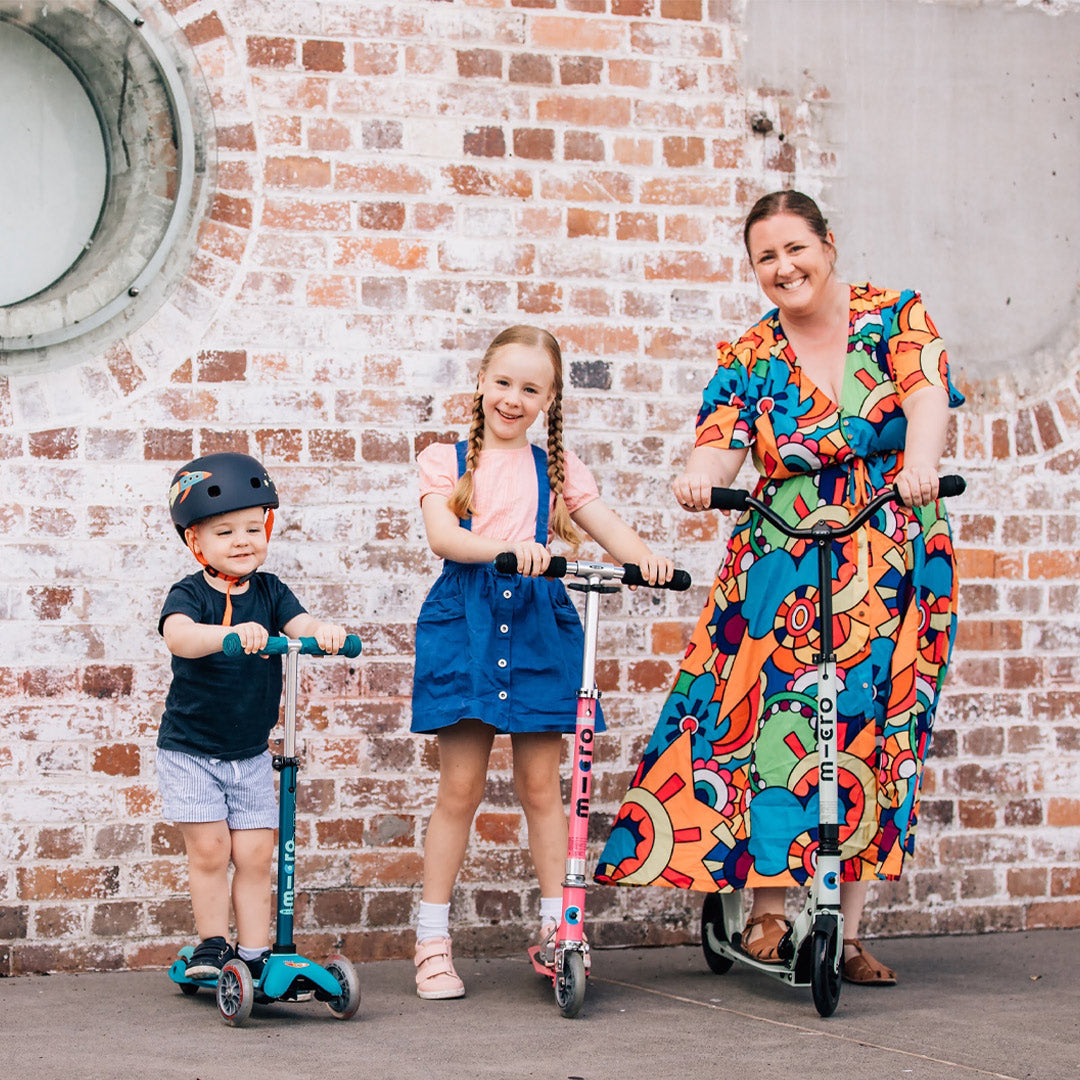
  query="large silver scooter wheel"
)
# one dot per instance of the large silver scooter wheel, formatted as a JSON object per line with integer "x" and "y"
{"x": 346, "y": 1004}
{"x": 235, "y": 993}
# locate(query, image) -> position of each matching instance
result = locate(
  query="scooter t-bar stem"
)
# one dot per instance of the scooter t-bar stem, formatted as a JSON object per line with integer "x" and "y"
{"x": 740, "y": 499}
{"x": 628, "y": 573}
{"x": 279, "y": 646}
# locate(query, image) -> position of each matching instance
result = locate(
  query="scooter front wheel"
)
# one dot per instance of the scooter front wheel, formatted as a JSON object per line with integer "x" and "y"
{"x": 714, "y": 934}
{"x": 825, "y": 971}
{"x": 570, "y": 984}
{"x": 235, "y": 993}
{"x": 346, "y": 1004}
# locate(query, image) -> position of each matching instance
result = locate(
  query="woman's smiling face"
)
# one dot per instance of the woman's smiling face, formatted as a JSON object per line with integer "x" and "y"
{"x": 518, "y": 384}
{"x": 794, "y": 267}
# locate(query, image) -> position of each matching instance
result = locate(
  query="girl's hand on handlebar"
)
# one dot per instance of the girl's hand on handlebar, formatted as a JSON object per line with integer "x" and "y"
{"x": 532, "y": 558}
{"x": 655, "y": 569}
{"x": 693, "y": 491}
{"x": 917, "y": 484}
{"x": 253, "y": 637}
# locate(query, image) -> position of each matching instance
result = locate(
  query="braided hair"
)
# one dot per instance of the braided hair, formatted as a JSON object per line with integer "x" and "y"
{"x": 460, "y": 501}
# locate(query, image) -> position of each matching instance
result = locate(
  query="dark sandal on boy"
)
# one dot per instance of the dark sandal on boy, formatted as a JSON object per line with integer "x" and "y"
{"x": 864, "y": 970}
{"x": 764, "y": 948}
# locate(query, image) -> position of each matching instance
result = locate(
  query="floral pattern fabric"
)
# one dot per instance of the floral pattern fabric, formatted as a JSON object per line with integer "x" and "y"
{"x": 725, "y": 796}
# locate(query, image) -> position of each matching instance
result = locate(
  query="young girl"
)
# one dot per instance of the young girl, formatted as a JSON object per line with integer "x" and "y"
{"x": 503, "y": 654}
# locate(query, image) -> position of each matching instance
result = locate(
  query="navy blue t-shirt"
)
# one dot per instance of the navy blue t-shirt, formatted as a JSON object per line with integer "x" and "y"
{"x": 225, "y": 706}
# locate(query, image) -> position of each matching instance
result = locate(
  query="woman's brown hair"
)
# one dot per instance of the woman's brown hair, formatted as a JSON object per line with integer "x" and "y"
{"x": 787, "y": 202}
{"x": 460, "y": 502}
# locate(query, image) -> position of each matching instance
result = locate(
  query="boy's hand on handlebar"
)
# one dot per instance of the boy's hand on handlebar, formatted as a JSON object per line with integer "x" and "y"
{"x": 329, "y": 636}
{"x": 917, "y": 484}
{"x": 532, "y": 558}
{"x": 253, "y": 637}
{"x": 693, "y": 491}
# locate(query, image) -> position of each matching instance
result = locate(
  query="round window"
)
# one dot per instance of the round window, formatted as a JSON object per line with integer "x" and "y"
{"x": 100, "y": 170}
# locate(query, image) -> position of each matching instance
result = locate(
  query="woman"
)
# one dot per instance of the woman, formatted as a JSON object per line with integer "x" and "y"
{"x": 837, "y": 392}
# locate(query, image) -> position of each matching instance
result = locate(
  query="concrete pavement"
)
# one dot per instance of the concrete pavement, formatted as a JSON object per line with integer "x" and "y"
{"x": 996, "y": 1005}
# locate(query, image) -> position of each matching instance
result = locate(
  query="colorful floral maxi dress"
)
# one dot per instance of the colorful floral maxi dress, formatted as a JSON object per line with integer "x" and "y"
{"x": 726, "y": 794}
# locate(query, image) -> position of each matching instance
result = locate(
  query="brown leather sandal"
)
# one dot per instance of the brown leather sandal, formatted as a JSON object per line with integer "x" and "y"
{"x": 763, "y": 948}
{"x": 863, "y": 969}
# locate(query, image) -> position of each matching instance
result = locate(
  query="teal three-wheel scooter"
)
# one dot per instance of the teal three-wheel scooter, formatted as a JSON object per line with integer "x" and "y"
{"x": 811, "y": 952}
{"x": 286, "y": 975}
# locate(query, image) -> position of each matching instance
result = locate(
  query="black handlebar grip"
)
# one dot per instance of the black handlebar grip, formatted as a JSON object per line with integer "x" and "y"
{"x": 506, "y": 563}
{"x": 948, "y": 486}
{"x": 680, "y": 579}
{"x": 729, "y": 499}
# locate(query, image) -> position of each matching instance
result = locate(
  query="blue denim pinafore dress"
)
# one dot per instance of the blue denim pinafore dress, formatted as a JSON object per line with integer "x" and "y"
{"x": 503, "y": 650}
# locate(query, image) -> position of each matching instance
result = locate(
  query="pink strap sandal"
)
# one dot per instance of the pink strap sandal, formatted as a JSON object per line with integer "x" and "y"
{"x": 436, "y": 978}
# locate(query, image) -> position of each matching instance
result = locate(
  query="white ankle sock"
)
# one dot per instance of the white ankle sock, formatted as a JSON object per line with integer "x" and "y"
{"x": 246, "y": 954}
{"x": 433, "y": 921}
{"x": 551, "y": 909}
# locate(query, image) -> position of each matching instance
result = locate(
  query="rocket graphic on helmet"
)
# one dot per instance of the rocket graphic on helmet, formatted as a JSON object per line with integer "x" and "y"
{"x": 218, "y": 484}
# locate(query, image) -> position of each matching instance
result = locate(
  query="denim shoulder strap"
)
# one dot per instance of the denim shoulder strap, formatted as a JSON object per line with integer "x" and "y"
{"x": 543, "y": 495}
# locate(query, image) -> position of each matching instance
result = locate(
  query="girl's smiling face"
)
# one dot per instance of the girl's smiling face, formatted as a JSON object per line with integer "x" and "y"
{"x": 518, "y": 384}
{"x": 794, "y": 267}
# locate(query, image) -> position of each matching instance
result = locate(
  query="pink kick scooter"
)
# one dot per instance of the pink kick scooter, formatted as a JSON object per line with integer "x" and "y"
{"x": 564, "y": 963}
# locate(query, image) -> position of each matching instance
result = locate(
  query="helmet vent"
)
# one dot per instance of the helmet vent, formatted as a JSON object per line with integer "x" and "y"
{"x": 213, "y": 491}
{"x": 256, "y": 482}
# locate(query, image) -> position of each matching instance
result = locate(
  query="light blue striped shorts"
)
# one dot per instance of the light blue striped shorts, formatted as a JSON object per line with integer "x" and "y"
{"x": 198, "y": 789}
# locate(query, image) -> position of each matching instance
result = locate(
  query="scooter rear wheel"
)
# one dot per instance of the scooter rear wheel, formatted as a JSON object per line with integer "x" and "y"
{"x": 570, "y": 984}
{"x": 825, "y": 972}
{"x": 235, "y": 993}
{"x": 346, "y": 1004}
{"x": 714, "y": 933}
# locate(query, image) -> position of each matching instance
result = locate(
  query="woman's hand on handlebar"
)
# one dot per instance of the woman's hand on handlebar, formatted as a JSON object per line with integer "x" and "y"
{"x": 693, "y": 490}
{"x": 917, "y": 484}
{"x": 532, "y": 558}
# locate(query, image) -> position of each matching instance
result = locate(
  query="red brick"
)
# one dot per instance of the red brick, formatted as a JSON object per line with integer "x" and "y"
{"x": 323, "y": 56}
{"x": 539, "y": 298}
{"x": 205, "y": 29}
{"x": 375, "y": 59}
{"x": 50, "y": 601}
{"x": 583, "y": 146}
{"x": 57, "y": 444}
{"x": 117, "y": 759}
{"x": 276, "y": 52}
{"x": 161, "y": 444}
{"x": 331, "y": 446}
{"x": 681, "y": 9}
{"x": 479, "y": 64}
{"x": 484, "y": 142}
{"x": 581, "y": 222}
{"x": 537, "y": 144}
{"x": 531, "y": 68}
{"x": 297, "y": 172}
{"x": 635, "y": 225}
{"x": 580, "y": 70}
{"x": 216, "y": 367}
{"x": 683, "y": 151}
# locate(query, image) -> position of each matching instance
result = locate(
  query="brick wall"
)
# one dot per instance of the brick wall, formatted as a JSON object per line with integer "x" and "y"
{"x": 395, "y": 183}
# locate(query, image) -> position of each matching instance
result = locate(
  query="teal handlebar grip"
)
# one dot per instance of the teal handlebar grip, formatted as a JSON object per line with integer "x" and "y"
{"x": 277, "y": 646}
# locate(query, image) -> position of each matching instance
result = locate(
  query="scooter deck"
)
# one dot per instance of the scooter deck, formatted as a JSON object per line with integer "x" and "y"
{"x": 540, "y": 967}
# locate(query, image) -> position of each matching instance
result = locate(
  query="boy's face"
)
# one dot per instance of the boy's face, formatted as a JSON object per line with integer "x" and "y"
{"x": 234, "y": 544}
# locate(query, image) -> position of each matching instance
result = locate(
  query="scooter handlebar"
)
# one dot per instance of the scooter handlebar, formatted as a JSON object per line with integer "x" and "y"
{"x": 506, "y": 563}
{"x": 737, "y": 498}
{"x": 277, "y": 646}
